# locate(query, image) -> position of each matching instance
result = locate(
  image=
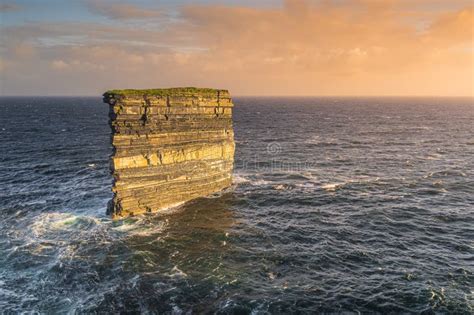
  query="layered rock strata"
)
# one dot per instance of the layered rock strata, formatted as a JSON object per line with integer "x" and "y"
{"x": 170, "y": 146}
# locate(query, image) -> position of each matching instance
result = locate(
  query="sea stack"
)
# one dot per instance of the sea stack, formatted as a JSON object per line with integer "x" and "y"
{"x": 169, "y": 146}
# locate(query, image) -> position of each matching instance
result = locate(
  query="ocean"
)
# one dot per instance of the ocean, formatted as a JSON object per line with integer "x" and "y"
{"x": 339, "y": 205}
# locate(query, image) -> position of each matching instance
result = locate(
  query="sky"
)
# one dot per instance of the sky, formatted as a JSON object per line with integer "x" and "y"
{"x": 259, "y": 47}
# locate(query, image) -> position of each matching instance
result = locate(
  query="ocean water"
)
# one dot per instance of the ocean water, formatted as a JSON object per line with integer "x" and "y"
{"x": 357, "y": 205}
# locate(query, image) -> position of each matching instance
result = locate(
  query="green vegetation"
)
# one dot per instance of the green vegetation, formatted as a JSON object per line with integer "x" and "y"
{"x": 163, "y": 92}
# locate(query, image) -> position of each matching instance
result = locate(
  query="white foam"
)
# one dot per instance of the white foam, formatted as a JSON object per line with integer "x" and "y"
{"x": 337, "y": 185}
{"x": 332, "y": 186}
{"x": 54, "y": 222}
{"x": 138, "y": 226}
{"x": 175, "y": 207}
{"x": 305, "y": 185}
{"x": 432, "y": 157}
{"x": 176, "y": 272}
{"x": 317, "y": 140}
{"x": 279, "y": 187}
{"x": 260, "y": 182}
{"x": 239, "y": 179}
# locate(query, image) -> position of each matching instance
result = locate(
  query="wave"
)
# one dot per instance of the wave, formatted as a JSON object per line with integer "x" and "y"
{"x": 322, "y": 142}
{"x": 445, "y": 173}
{"x": 291, "y": 180}
{"x": 332, "y": 186}
{"x": 306, "y": 185}
{"x": 48, "y": 224}
{"x": 283, "y": 187}
{"x": 247, "y": 179}
{"x": 177, "y": 273}
{"x": 260, "y": 182}
{"x": 432, "y": 157}
{"x": 337, "y": 185}
{"x": 239, "y": 179}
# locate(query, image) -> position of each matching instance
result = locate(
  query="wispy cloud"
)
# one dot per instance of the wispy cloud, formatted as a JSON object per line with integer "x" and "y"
{"x": 7, "y": 7}
{"x": 121, "y": 11}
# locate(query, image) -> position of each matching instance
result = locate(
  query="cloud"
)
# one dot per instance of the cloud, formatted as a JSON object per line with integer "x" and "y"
{"x": 59, "y": 65}
{"x": 456, "y": 27}
{"x": 357, "y": 47}
{"x": 121, "y": 11}
{"x": 8, "y": 7}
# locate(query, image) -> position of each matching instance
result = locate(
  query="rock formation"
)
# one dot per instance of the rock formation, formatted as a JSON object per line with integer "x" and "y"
{"x": 170, "y": 146}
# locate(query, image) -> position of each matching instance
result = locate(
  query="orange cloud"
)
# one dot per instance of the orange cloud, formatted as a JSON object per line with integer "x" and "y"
{"x": 454, "y": 27}
{"x": 358, "y": 47}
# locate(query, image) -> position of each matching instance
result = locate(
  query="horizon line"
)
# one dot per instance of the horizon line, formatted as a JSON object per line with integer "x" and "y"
{"x": 280, "y": 95}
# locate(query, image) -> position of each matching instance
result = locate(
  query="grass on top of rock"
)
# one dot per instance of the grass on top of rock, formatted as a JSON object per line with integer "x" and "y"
{"x": 163, "y": 92}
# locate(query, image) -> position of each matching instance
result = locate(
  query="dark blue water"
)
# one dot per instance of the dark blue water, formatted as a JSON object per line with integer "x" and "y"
{"x": 339, "y": 205}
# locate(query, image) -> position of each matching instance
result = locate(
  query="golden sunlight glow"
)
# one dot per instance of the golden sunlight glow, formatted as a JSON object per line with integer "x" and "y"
{"x": 358, "y": 47}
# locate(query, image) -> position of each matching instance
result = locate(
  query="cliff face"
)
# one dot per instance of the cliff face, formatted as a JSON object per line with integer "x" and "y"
{"x": 170, "y": 146}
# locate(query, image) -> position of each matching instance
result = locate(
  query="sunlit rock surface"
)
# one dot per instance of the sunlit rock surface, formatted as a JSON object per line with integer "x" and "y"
{"x": 170, "y": 146}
